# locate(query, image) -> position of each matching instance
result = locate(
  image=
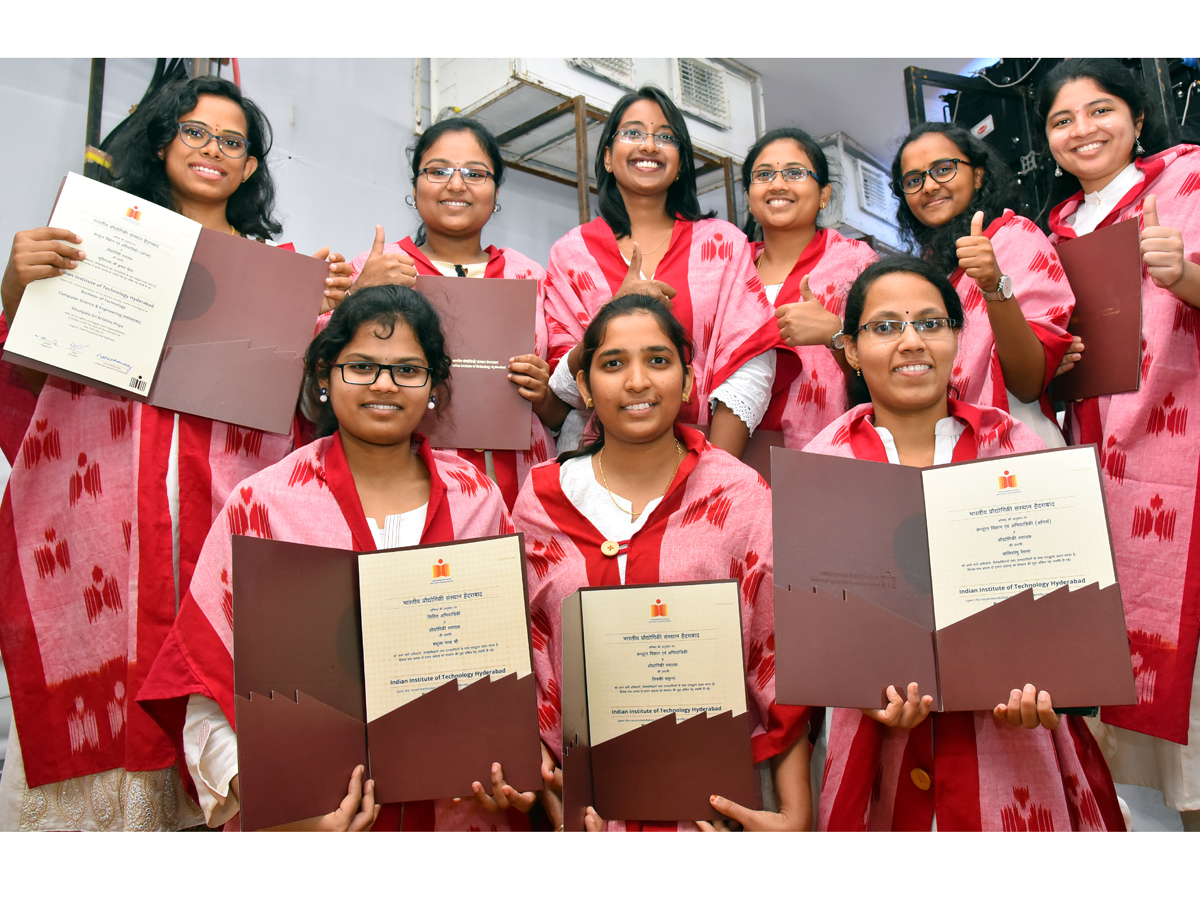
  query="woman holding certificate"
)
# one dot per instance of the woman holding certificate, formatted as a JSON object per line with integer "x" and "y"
{"x": 806, "y": 272}
{"x": 652, "y": 238}
{"x": 1100, "y": 130}
{"x": 97, "y": 537}
{"x": 369, "y": 483}
{"x": 647, "y": 501}
{"x": 954, "y": 192}
{"x": 457, "y": 171}
{"x": 1019, "y": 766}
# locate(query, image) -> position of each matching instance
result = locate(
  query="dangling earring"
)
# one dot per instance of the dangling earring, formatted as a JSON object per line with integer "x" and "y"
{"x": 431, "y": 403}
{"x": 588, "y": 403}
{"x": 857, "y": 371}
{"x": 1058, "y": 171}
{"x": 410, "y": 202}
{"x": 324, "y": 398}
{"x": 1137, "y": 146}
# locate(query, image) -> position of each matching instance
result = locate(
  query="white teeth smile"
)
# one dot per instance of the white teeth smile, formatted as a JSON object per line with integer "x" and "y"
{"x": 206, "y": 169}
{"x": 648, "y": 164}
{"x": 637, "y": 406}
{"x": 381, "y": 406}
{"x": 462, "y": 203}
{"x": 916, "y": 367}
{"x": 778, "y": 201}
{"x": 1095, "y": 145}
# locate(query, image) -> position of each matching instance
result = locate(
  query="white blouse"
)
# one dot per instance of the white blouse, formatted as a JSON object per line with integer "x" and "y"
{"x": 1097, "y": 205}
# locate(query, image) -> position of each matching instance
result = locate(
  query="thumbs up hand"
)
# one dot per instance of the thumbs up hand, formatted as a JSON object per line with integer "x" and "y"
{"x": 386, "y": 268}
{"x": 807, "y": 323}
{"x": 634, "y": 283}
{"x": 1162, "y": 247}
{"x": 977, "y": 258}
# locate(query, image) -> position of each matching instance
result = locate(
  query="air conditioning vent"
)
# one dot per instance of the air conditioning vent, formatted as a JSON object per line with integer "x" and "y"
{"x": 874, "y": 195}
{"x": 702, "y": 91}
{"x": 618, "y": 70}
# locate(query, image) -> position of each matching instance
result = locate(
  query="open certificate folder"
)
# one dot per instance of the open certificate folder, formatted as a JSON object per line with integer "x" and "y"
{"x": 969, "y": 579}
{"x": 172, "y": 314}
{"x": 415, "y": 662}
{"x": 654, "y": 702}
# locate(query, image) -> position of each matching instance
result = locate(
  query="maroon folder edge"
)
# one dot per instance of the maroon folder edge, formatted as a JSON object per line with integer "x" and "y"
{"x": 298, "y": 680}
{"x": 854, "y": 605}
{"x": 664, "y": 770}
{"x": 487, "y": 321}
{"x": 1104, "y": 269}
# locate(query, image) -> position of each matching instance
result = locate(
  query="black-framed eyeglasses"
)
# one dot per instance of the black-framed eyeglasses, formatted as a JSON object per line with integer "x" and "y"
{"x": 791, "y": 173}
{"x": 941, "y": 171}
{"x": 442, "y": 174}
{"x": 888, "y": 330}
{"x": 662, "y": 139}
{"x": 231, "y": 145}
{"x": 404, "y": 375}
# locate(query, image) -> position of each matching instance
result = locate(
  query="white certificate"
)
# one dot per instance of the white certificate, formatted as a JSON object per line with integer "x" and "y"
{"x": 1000, "y": 526}
{"x": 430, "y": 614}
{"x": 661, "y": 649}
{"x": 107, "y": 318}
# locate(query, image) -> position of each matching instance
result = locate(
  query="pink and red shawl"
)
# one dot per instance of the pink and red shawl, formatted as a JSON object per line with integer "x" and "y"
{"x": 714, "y": 522}
{"x": 307, "y": 498}
{"x": 1040, "y": 285}
{"x": 719, "y": 298}
{"x": 17, "y": 401}
{"x": 510, "y": 466}
{"x": 986, "y": 776}
{"x": 90, "y": 587}
{"x": 817, "y": 395}
{"x": 1151, "y": 463}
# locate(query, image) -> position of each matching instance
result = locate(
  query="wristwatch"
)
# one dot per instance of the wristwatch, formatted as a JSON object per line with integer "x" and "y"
{"x": 837, "y": 342}
{"x": 1003, "y": 291}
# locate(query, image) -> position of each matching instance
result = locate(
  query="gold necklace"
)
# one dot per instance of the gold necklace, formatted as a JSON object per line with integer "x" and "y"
{"x": 629, "y": 512}
{"x": 656, "y": 249}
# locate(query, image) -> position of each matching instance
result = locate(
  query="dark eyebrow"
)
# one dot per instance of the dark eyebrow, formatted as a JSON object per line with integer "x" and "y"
{"x": 446, "y": 162}
{"x": 208, "y": 127}
{"x": 1064, "y": 112}
{"x": 658, "y": 349}
{"x": 615, "y": 351}
{"x": 406, "y": 360}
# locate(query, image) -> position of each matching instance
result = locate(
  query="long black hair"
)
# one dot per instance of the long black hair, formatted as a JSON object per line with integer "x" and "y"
{"x": 593, "y": 337}
{"x": 140, "y": 170}
{"x": 1112, "y": 78}
{"x": 997, "y": 192}
{"x": 682, "y": 200}
{"x": 856, "y": 300}
{"x": 453, "y": 125}
{"x": 811, "y": 149}
{"x": 383, "y": 306}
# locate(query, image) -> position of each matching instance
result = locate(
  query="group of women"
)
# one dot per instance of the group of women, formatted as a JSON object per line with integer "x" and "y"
{"x": 655, "y": 317}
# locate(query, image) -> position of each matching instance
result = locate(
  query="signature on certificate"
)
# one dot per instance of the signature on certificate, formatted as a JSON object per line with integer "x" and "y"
{"x": 75, "y": 348}
{"x": 53, "y": 342}
{"x": 125, "y": 367}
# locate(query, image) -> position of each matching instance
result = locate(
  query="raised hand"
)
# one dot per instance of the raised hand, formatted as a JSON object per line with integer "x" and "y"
{"x": 634, "y": 283}
{"x": 1162, "y": 247}
{"x": 902, "y": 712}
{"x": 386, "y": 268}
{"x": 337, "y": 284}
{"x": 807, "y": 323}
{"x": 977, "y": 258}
{"x": 1028, "y": 709}
{"x": 36, "y": 254}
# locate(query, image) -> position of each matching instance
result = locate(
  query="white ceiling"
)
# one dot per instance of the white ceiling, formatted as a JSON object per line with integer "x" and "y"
{"x": 862, "y": 97}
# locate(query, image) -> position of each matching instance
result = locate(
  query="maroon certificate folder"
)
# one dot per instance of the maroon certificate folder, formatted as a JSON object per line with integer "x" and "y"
{"x": 235, "y": 349}
{"x": 487, "y": 321}
{"x": 667, "y": 768}
{"x": 855, "y": 589}
{"x": 301, "y": 706}
{"x": 1105, "y": 272}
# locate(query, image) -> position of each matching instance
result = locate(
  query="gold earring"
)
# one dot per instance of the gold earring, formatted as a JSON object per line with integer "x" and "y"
{"x": 588, "y": 403}
{"x": 857, "y": 371}
{"x": 685, "y": 396}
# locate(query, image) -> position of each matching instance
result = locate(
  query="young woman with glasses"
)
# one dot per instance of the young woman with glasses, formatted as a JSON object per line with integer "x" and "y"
{"x": 954, "y": 196}
{"x": 1102, "y": 131}
{"x": 97, "y": 536}
{"x": 1019, "y": 766}
{"x": 806, "y": 271}
{"x": 650, "y": 500}
{"x": 457, "y": 171}
{"x": 651, "y": 238}
{"x": 369, "y": 482}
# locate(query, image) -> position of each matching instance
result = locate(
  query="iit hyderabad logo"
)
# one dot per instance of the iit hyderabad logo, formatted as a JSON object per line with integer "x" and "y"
{"x": 133, "y": 213}
{"x": 658, "y": 609}
{"x": 1007, "y": 481}
{"x": 441, "y": 569}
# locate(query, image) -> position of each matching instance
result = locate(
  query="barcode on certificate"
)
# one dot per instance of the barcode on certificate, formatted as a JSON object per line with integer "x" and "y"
{"x": 137, "y": 383}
